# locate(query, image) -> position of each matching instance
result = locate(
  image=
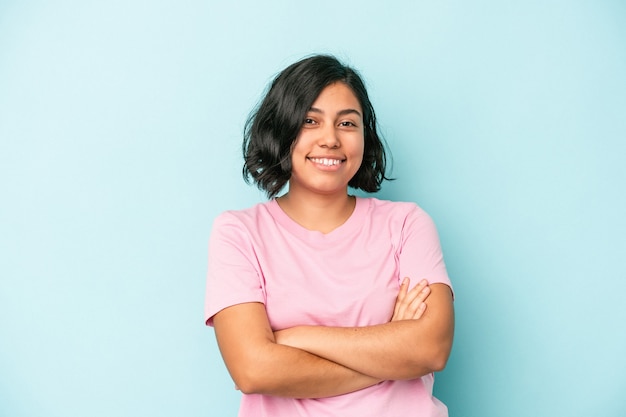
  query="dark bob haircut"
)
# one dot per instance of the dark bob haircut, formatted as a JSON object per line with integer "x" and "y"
{"x": 273, "y": 127}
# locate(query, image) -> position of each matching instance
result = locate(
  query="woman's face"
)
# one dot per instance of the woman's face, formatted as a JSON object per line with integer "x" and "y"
{"x": 329, "y": 148}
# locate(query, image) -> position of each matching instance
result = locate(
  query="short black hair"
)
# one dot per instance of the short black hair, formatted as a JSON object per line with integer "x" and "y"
{"x": 273, "y": 126}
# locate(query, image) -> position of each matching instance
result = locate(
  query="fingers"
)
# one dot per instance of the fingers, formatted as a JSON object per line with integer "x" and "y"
{"x": 410, "y": 305}
{"x": 418, "y": 306}
{"x": 399, "y": 307}
{"x": 415, "y": 298}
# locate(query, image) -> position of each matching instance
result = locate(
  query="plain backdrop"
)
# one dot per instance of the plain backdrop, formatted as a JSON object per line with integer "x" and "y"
{"x": 120, "y": 132}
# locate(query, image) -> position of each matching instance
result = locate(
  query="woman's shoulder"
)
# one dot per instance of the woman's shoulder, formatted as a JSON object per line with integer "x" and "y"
{"x": 379, "y": 207}
{"x": 246, "y": 216}
{"x": 403, "y": 217}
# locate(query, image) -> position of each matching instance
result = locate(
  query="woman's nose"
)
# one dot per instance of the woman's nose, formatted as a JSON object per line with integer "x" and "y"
{"x": 328, "y": 138}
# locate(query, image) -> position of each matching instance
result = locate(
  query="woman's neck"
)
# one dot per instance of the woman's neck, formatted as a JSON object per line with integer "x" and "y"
{"x": 323, "y": 213}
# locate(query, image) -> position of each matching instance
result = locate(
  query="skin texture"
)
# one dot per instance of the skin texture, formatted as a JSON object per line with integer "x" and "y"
{"x": 333, "y": 130}
{"x": 400, "y": 349}
{"x": 258, "y": 364}
{"x": 319, "y": 361}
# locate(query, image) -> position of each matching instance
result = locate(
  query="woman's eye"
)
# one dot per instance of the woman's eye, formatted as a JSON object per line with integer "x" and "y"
{"x": 308, "y": 121}
{"x": 347, "y": 124}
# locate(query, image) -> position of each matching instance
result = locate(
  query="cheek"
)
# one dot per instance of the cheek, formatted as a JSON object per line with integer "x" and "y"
{"x": 295, "y": 152}
{"x": 360, "y": 147}
{"x": 301, "y": 143}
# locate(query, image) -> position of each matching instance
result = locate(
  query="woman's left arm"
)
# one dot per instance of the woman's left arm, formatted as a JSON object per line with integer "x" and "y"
{"x": 400, "y": 349}
{"x": 404, "y": 348}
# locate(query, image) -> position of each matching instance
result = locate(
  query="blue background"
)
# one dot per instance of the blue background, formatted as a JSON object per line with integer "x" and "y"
{"x": 120, "y": 129}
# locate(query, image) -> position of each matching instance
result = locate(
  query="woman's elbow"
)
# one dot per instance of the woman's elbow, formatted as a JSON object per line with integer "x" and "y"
{"x": 257, "y": 377}
{"x": 439, "y": 360}
{"x": 430, "y": 359}
{"x": 251, "y": 382}
{"x": 440, "y": 353}
{"x": 247, "y": 387}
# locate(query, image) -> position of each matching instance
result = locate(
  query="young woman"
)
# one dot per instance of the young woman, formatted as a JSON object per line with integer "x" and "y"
{"x": 326, "y": 304}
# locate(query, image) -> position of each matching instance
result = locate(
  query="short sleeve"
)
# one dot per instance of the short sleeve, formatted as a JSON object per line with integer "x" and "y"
{"x": 420, "y": 253}
{"x": 233, "y": 275}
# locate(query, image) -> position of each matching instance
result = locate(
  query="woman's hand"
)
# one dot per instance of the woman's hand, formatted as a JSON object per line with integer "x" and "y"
{"x": 414, "y": 343}
{"x": 410, "y": 305}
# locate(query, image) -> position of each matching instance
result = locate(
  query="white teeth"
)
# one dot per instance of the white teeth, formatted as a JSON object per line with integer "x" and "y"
{"x": 326, "y": 161}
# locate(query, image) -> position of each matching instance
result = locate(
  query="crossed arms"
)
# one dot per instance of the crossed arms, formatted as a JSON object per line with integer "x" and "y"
{"x": 319, "y": 361}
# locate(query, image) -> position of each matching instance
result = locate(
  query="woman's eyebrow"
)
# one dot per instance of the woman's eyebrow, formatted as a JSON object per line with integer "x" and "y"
{"x": 339, "y": 113}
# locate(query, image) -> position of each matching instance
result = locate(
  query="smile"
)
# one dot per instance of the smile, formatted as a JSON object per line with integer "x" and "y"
{"x": 326, "y": 161}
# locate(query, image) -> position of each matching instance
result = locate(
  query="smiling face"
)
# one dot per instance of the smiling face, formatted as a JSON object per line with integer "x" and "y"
{"x": 329, "y": 148}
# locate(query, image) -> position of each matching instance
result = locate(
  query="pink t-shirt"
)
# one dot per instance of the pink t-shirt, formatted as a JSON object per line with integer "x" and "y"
{"x": 348, "y": 277}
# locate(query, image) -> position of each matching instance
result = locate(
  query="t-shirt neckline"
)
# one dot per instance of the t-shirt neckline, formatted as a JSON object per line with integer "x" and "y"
{"x": 351, "y": 224}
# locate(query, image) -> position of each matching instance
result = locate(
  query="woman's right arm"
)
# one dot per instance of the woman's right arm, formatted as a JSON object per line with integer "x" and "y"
{"x": 255, "y": 361}
{"x": 260, "y": 366}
